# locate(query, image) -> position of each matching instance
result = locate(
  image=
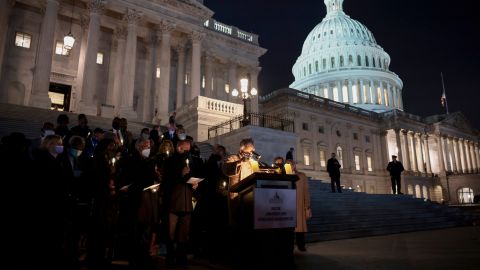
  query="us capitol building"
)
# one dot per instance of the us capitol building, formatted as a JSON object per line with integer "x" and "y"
{"x": 144, "y": 59}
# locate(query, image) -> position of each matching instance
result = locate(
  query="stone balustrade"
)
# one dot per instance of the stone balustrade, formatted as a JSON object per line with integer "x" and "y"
{"x": 231, "y": 31}
{"x": 214, "y": 105}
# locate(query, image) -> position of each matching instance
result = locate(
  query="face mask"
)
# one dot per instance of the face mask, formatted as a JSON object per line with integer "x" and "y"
{"x": 145, "y": 136}
{"x": 146, "y": 152}
{"x": 58, "y": 149}
{"x": 48, "y": 132}
{"x": 182, "y": 136}
{"x": 75, "y": 152}
{"x": 171, "y": 132}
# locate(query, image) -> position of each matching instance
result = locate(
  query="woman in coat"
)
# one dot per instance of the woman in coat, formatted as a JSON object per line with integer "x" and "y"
{"x": 304, "y": 212}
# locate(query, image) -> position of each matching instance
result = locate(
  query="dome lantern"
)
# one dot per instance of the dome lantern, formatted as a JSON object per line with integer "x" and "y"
{"x": 334, "y": 6}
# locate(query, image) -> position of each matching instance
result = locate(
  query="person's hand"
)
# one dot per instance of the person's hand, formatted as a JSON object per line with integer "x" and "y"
{"x": 195, "y": 186}
{"x": 185, "y": 171}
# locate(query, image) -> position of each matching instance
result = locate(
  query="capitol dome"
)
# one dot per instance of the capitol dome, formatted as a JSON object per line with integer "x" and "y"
{"x": 341, "y": 61}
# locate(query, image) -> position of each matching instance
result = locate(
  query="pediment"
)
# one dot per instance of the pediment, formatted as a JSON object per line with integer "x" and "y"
{"x": 458, "y": 120}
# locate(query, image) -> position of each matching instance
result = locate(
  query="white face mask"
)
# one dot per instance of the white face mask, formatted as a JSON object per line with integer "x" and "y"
{"x": 48, "y": 132}
{"x": 182, "y": 136}
{"x": 145, "y": 136}
{"x": 146, "y": 153}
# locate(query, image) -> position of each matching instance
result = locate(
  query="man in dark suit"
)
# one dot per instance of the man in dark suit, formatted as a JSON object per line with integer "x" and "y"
{"x": 395, "y": 168}
{"x": 333, "y": 169}
{"x": 289, "y": 155}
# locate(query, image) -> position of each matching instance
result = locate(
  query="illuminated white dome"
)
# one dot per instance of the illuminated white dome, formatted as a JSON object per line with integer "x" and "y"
{"x": 341, "y": 61}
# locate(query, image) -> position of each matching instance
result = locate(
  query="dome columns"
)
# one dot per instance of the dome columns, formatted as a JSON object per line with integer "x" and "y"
{"x": 334, "y": 5}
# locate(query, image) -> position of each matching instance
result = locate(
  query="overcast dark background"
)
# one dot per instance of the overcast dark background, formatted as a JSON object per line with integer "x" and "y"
{"x": 422, "y": 37}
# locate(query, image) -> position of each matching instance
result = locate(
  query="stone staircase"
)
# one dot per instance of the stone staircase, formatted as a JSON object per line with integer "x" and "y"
{"x": 29, "y": 120}
{"x": 357, "y": 214}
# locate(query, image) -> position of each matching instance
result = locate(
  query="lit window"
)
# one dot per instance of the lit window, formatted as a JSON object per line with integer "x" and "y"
{"x": 227, "y": 88}
{"x": 345, "y": 94}
{"x": 335, "y": 94}
{"x": 100, "y": 58}
{"x": 203, "y": 81}
{"x": 23, "y": 40}
{"x": 357, "y": 162}
{"x": 355, "y": 94}
{"x": 465, "y": 195}
{"x": 60, "y": 50}
{"x": 340, "y": 155}
{"x": 158, "y": 73}
{"x": 187, "y": 79}
{"x": 322, "y": 158}
{"x": 306, "y": 157}
{"x": 379, "y": 96}
{"x": 369, "y": 164}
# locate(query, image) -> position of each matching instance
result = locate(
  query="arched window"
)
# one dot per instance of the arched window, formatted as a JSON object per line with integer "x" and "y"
{"x": 366, "y": 61}
{"x": 418, "y": 191}
{"x": 324, "y": 63}
{"x": 342, "y": 63}
{"x": 465, "y": 195}
{"x": 359, "y": 60}
{"x": 316, "y": 66}
{"x": 373, "y": 62}
{"x": 350, "y": 60}
{"x": 340, "y": 155}
{"x": 332, "y": 62}
{"x": 425, "y": 192}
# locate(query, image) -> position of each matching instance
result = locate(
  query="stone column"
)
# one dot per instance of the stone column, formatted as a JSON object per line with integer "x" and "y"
{"x": 407, "y": 164}
{"x": 441, "y": 160}
{"x": 163, "y": 98}
{"x": 414, "y": 152}
{"x": 150, "y": 72}
{"x": 350, "y": 94}
{"x": 390, "y": 96}
{"x": 197, "y": 38}
{"x": 400, "y": 100}
{"x": 82, "y": 42}
{"x": 466, "y": 155}
{"x": 361, "y": 94}
{"x": 120, "y": 35}
{"x": 470, "y": 157}
{"x": 451, "y": 153}
{"x": 180, "y": 49}
{"x": 340, "y": 91}
{"x": 422, "y": 166}
{"x": 427, "y": 154}
{"x": 209, "y": 75}
{"x": 399, "y": 145}
{"x": 394, "y": 97}
{"x": 457, "y": 155}
{"x": 132, "y": 17}
{"x": 477, "y": 153}
{"x": 463, "y": 158}
{"x": 330, "y": 91}
{"x": 474, "y": 157}
{"x": 43, "y": 63}
{"x": 232, "y": 78}
{"x": 448, "y": 166}
{"x": 382, "y": 93}
{"x": 254, "y": 84}
{"x": 374, "y": 91}
{"x": 88, "y": 104}
{"x": 5, "y": 8}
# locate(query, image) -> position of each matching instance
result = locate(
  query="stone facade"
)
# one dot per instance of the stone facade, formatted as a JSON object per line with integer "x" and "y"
{"x": 135, "y": 59}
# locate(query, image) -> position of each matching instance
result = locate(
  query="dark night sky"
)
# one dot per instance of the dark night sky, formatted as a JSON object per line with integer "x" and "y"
{"x": 422, "y": 37}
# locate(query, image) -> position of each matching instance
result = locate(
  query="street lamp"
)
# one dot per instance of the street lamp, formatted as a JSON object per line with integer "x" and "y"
{"x": 245, "y": 95}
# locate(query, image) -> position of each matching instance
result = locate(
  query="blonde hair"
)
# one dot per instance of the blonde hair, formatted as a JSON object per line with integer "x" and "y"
{"x": 165, "y": 146}
{"x": 49, "y": 140}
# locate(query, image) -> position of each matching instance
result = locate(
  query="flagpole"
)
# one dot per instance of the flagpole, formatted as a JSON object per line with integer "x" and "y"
{"x": 444, "y": 94}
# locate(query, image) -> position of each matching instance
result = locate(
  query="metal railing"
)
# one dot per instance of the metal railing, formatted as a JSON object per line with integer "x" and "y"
{"x": 252, "y": 119}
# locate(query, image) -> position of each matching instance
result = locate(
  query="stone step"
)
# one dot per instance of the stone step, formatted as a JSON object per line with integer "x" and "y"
{"x": 373, "y": 231}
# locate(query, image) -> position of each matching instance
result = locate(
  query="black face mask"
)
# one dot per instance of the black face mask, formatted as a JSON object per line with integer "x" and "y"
{"x": 116, "y": 126}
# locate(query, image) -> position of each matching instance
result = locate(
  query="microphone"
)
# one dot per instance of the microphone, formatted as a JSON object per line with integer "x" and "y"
{"x": 256, "y": 154}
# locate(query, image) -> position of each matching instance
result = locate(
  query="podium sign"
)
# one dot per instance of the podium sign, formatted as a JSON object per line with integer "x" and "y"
{"x": 275, "y": 208}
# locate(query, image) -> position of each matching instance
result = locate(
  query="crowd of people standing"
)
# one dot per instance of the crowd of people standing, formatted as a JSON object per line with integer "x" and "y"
{"x": 83, "y": 197}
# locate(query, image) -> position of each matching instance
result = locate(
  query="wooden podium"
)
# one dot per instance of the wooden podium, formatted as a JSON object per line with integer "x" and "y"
{"x": 263, "y": 218}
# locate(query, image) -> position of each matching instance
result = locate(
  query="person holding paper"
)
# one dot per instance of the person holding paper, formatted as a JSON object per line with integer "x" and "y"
{"x": 178, "y": 169}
